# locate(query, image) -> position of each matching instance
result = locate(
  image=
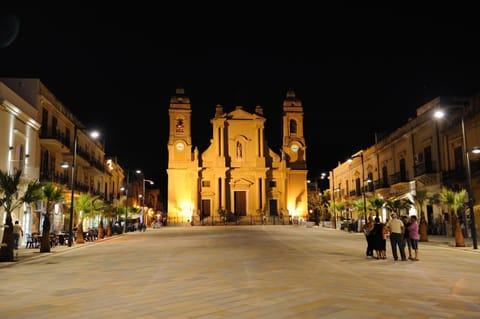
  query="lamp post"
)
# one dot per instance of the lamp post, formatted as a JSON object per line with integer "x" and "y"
{"x": 143, "y": 195}
{"x": 126, "y": 197}
{"x": 72, "y": 186}
{"x": 323, "y": 176}
{"x": 333, "y": 200}
{"x": 440, "y": 114}
{"x": 94, "y": 135}
{"x": 363, "y": 185}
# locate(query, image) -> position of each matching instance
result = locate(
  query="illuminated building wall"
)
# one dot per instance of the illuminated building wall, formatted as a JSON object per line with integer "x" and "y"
{"x": 238, "y": 173}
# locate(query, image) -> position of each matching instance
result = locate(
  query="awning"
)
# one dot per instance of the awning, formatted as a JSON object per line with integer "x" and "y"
{"x": 400, "y": 196}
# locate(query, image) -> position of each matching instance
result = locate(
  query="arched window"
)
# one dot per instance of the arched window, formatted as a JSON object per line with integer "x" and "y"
{"x": 293, "y": 127}
{"x": 239, "y": 149}
{"x": 179, "y": 126}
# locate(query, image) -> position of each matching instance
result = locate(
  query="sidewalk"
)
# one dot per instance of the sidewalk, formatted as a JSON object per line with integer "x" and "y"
{"x": 24, "y": 254}
{"x": 439, "y": 240}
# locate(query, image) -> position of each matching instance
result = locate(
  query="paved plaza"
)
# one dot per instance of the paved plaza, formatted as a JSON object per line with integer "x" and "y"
{"x": 240, "y": 272}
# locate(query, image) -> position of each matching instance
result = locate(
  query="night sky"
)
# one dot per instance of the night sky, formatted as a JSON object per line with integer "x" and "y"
{"x": 358, "y": 70}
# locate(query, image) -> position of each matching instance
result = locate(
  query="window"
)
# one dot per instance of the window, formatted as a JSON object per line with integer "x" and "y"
{"x": 384, "y": 177}
{"x": 293, "y": 127}
{"x": 205, "y": 183}
{"x": 67, "y": 136}
{"x": 55, "y": 132}
{"x": 239, "y": 149}
{"x": 272, "y": 184}
{"x": 44, "y": 122}
{"x": 179, "y": 126}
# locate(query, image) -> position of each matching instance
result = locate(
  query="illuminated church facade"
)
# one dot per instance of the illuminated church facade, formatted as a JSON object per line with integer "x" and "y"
{"x": 238, "y": 174}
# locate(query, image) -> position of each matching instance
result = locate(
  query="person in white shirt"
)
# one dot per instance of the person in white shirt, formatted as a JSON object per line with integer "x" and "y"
{"x": 17, "y": 232}
{"x": 397, "y": 228}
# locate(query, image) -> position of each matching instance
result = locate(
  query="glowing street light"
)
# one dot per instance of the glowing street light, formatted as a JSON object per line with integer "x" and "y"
{"x": 440, "y": 114}
{"x": 324, "y": 175}
{"x": 126, "y": 195}
{"x": 93, "y": 135}
{"x": 363, "y": 185}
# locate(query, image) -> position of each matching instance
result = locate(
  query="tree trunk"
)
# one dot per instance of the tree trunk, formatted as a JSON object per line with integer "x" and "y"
{"x": 45, "y": 244}
{"x": 79, "y": 238}
{"x": 101, "y": 230}
{"x": 423, "y": 227}
{"x": 459, "y": 239}
{"x": 6, "y": 250}
{"x": 109, "y": 229}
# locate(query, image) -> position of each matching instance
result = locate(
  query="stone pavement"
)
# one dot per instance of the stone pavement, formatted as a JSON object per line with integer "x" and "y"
{"x": 24, "y": 254}
{"x": 260, "y": 272}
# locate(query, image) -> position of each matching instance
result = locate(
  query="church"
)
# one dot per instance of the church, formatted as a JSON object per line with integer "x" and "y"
{"x": 238, "y": 174}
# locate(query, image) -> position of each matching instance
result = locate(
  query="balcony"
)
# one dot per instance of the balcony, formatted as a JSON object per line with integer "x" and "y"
{"x": 425, "y": 168}
{"x": 55, "y": 141}
{"x": 398, "y": 178}
{"x": 380, "y": 183}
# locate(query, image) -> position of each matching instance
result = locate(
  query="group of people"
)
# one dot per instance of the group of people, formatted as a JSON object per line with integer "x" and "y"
{"x": 402, "y": 232}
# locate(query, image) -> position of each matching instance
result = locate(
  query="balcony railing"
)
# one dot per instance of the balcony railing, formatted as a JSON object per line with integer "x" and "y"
{"x": 398, "y": 178}
{"x": 425, "y": 168}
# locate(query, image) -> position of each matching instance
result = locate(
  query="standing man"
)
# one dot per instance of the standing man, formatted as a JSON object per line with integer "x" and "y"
{"x": 406, "y": 237}
{"x": 397, "y": 230}
{"x": 17, "y": 232}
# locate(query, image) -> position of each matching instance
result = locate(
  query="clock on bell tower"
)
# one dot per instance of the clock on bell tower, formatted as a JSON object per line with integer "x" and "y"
{"x": 293, "y": 139}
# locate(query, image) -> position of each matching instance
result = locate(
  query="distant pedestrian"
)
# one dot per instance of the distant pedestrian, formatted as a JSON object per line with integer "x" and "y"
{"x": 406, "y": 236}
{"x": 17, "y": 232}
{"x": 367, "y": 230}
{"x": 414, "y": 236}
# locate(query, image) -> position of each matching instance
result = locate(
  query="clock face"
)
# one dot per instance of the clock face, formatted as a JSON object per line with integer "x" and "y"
{"x": 179, "y": 146}
{"x": 294, "y": 147}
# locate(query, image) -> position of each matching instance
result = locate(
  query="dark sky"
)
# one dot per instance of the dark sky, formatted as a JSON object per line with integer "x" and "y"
{"x": 358, "y": 70}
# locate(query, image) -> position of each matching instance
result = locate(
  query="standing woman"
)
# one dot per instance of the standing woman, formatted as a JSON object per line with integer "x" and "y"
{"x": 368, "y": 231}
{"x": 379, "y": 241}
{"x": 414, "y": 235}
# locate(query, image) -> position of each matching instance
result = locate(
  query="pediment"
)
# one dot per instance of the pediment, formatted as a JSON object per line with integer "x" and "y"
{"x": 240, "y": 114}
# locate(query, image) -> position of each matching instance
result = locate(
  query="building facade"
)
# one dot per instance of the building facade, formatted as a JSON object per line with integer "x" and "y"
{"x": 424, "y": 154}
{"x": 19, "y": 146}
{"x": 238, "y": 175}
{"x": 57, "y": 133}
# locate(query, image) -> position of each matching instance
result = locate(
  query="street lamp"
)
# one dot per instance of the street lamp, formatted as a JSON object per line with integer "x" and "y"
{"x": 94, "y": 135}
{"x": 324, "y": 175}
{"x": 143, "y": 197}
{"x": 126, "y": 197}
{"x": 440, "y": 114}
{"x": 363, "y": 185}
{"x": 315, "y": 201}
{"x": 72, "y": 185}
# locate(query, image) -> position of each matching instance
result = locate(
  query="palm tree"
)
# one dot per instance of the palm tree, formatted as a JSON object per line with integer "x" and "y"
{"x": 398, "y": 205}
{"x": 52, "y": 194}
{"x": 359, "y": 208}
{"x": 98, "y": 207}
{"x": 376, "y": 203}
{"x": 454, "y": 200}
{"x": 109, "y": 211}
{"x": 10, "y": 200}
{"x": 339, "y": 209}
{"x": 418, "y": 200}
{"x": 84, "y": 205}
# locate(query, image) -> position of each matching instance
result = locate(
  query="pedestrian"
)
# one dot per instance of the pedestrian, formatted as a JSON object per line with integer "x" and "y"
{"x": 414, "y": 236}
{"x": 17, "y": 232}
{"x": 396, "y": 228}
{"x": 406, "y": 236}
{"x": 367, "y": 229}
{"x": 379, "y": 242}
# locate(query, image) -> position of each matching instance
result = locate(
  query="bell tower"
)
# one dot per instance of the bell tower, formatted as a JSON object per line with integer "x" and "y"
{"x": 180, "y": 138}
{"x": 293, "y": 139}
{"x": 182, "y": 162}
